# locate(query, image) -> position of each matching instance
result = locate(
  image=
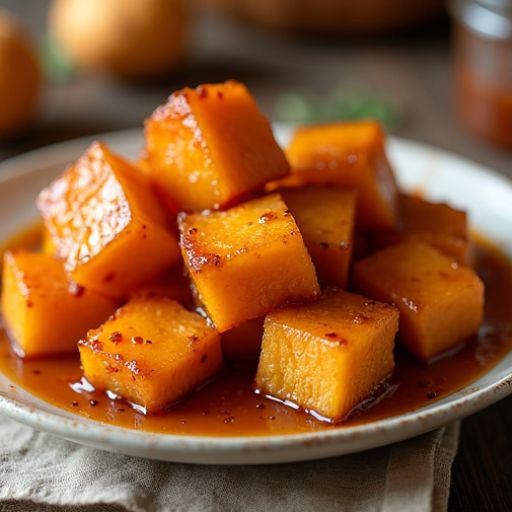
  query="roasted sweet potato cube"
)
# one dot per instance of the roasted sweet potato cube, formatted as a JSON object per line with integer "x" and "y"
{"x": 210, "y": 146}
{"x": 151, "y": 352}
{"x": 43, "y": 312}
{"x": 325, "y": 217}
{"x": 436, "y": 224}
{"x": 48, "y": 246}
{"x": 440, "y": 301}
{"x": 107, "y": 223}
{"x": 243, "y": 343}
{"x": 172, "y": 284}
{"x": 143, "y": 164}
{"x": 352, "y": 155}
{"x": 329, "y": 355}
{"x": 247, "y": 260}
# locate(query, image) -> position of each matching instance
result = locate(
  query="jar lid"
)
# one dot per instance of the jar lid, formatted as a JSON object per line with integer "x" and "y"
{"x": 488, "y": 18}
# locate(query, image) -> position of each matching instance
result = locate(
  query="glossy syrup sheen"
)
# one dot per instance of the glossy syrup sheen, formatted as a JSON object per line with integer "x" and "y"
{"x": 227, "y": 406}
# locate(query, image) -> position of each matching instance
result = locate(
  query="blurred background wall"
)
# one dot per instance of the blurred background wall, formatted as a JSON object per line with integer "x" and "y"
{"x": 305, "y": 61}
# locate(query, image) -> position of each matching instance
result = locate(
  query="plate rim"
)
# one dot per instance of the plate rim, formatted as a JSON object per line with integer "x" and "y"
{"x": 186, "y": 447}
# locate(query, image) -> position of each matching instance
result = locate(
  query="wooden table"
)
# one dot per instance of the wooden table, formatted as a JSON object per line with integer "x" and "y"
{"x": 414, "y": 71}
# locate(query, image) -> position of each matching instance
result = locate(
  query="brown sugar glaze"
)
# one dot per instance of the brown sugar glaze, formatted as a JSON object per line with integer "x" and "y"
{"x": 227, "y": 406}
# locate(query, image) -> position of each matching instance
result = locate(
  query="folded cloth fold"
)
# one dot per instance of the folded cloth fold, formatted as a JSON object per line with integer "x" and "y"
{"x": 39, "y": 472}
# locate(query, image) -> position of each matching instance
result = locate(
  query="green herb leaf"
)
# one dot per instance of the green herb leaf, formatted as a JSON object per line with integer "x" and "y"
{"x": 57, "y": 66}
{"x": 342, "y": 103}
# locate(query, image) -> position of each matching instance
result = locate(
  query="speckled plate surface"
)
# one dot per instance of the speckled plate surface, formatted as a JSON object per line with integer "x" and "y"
{"x": 440, "y": 175}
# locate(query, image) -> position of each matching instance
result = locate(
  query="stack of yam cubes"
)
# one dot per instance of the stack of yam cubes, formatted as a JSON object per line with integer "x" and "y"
{"x": 220, "y": 245}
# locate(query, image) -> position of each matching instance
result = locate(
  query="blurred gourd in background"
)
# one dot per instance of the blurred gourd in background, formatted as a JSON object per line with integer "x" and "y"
{"x": 367, "y": 17}
{"x": 126, "y": 38}
{"x": 20, "y": 76}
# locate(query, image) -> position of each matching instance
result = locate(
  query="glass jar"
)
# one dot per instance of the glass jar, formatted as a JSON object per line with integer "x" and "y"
{"x": 483, "y": 67}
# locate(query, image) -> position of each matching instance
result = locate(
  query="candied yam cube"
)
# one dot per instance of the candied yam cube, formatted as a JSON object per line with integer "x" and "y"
{"x": 436, "y": 224}
{"x": 352, "y": 155}
{"x": 43, "y": 312}
{"x": 151, "y": 352}
{"x": 172, "y": 284}
{"x": 143, "y": 164}
{"x": 47, "y": 245}
{"x": 329, "y": 355}
{"x": 107, "y": 223}
{"x": 247, "y": 260}
{"x": 210, "y": 146}
{"x": 243, "y": 343}
{"x": 440, "y": 302}
{"x": 325, "y": 217}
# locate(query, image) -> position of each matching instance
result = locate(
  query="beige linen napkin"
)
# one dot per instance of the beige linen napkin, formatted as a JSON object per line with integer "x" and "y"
{"x": 39, "y": 472}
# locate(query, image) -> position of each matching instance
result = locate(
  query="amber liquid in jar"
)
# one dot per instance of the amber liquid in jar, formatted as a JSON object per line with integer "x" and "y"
{"x": 483, "y": 70}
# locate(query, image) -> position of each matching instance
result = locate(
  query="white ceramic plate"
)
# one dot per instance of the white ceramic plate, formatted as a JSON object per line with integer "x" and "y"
{"x": 440, "y": 175}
